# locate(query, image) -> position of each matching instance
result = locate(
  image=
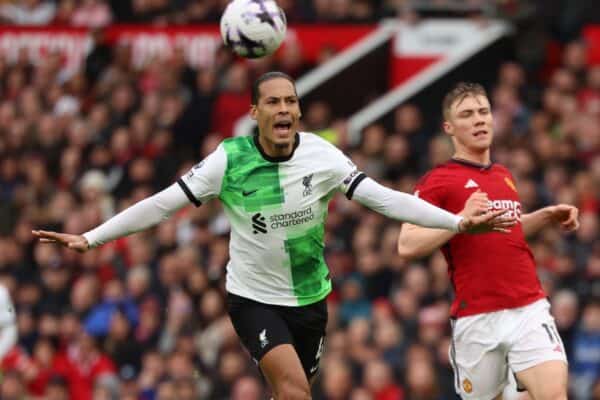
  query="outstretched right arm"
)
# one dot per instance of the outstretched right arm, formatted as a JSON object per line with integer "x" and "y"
{"x": 8, "y": 323}
{"x": 140, "y": 216}
{"x": 201, "y": 183}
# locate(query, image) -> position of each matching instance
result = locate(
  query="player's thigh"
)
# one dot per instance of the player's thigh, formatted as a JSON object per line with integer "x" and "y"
{"x": 512, "y": 391}
{"x": 478, "y": 361}
{"x": 282, "y": 368}
{"x": 545, "y": 381}
{"x": 308, "y": 326}
{"x": 267, "y": 337}
{"x": 259, "y": 326}
{"x": 537, "y": 355}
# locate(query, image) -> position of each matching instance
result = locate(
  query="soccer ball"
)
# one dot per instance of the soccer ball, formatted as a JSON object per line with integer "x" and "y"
{"x": 253, "y": 28}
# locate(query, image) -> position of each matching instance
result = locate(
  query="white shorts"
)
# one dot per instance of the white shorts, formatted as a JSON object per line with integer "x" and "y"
{"x": 485, "y": 346}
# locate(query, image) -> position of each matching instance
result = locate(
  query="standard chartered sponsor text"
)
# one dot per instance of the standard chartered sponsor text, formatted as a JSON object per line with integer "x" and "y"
{"x": 291, "y": 219}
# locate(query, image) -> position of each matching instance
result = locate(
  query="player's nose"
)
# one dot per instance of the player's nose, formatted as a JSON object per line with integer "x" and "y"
{"x": 283, "y": 108}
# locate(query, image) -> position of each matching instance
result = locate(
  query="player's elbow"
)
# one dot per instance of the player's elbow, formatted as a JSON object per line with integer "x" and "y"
{"x": 406, "y": 250}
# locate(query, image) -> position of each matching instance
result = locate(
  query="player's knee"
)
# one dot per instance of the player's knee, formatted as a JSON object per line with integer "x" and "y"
{"x": 289, "y": 389}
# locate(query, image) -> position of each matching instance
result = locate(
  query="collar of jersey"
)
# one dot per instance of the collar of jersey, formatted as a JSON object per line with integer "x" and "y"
{"x": 277, "y": 159}
{"x": 471, "y": 164}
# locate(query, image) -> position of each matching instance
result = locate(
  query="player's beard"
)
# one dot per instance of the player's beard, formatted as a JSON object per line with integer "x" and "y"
{"x": 282, "y": 146}
{"x": 287, "y": 144}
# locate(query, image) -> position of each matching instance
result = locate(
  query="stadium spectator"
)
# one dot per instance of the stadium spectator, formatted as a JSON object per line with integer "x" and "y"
{"x": 28, "y": 12}
{"x": 586, "y": 353}
{"x": 56, "y": 129}
{"x": 91, "y": 14}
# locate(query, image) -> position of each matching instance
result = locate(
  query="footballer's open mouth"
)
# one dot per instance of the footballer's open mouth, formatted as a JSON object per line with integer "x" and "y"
{"x": 480, "y": 133}
{"x": 282, "y": 127}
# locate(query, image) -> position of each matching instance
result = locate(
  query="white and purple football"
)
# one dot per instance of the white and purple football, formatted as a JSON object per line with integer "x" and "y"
{"x": 253, "y": 28}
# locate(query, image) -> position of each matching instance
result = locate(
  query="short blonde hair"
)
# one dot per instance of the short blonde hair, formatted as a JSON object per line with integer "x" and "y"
{"x": 458, "y": 93}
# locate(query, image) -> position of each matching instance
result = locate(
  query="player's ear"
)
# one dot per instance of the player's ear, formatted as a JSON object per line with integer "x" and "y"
{"x": 253, "y": 111}
{"x": 448, "y": 128}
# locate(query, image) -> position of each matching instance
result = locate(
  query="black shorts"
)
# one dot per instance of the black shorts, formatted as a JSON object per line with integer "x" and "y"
{"x": 261, "y": 327}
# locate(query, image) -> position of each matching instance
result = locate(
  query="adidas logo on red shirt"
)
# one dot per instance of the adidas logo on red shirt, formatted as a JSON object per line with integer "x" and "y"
{"x": 471, "y": 184}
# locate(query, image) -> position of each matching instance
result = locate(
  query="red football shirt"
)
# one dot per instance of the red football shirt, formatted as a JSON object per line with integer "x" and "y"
{"x": 490, "y": 271}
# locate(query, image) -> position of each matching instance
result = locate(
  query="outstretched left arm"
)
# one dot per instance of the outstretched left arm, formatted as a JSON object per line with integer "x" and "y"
{"x": 408, "y": 208}
{"x": 564, "y": 214}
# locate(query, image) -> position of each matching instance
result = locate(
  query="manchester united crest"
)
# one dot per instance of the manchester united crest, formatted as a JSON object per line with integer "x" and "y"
{"x": 467, "y": 386}
{"x": 510, "y": 183}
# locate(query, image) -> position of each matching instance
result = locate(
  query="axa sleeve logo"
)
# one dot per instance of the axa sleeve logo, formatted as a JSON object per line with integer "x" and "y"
{"x": 258, "y": 224}
{"x": 195, "y": 168}
{"x": 350, "y": 177}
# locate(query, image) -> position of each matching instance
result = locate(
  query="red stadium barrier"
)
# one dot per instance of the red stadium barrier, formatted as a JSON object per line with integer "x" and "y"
{"x": 416, "y": 47}
{"x": 404, "y": 67}
{"x": 592, "y": 37}
{"x": 71, "y": 43}
{"x": 199, "y": 42}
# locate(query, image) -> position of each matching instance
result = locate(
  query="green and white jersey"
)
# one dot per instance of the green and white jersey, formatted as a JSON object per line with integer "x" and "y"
{"x": 277, "y": 209}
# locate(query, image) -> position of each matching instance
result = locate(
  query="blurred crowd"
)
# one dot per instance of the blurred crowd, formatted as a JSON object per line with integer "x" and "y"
{"x": 144, "y": 317}
{"x": 98, "y": 13}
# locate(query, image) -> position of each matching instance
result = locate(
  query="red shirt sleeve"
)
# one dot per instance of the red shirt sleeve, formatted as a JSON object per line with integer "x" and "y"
{"x": 432, "y": 188}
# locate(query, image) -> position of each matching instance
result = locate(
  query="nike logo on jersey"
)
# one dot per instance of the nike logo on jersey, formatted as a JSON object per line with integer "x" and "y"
{"x": 471, "y": 184}
{"x": 246, "y": 193}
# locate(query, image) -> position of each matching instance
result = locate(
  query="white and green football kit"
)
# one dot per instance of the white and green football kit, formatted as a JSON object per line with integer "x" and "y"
{"x": 8, "y": 323}
{"x": 277, "y": 208}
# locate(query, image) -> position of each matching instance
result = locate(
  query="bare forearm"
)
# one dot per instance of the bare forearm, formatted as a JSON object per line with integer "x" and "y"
{"x": 533, "y": 222}
{"x": 416, "y": 242}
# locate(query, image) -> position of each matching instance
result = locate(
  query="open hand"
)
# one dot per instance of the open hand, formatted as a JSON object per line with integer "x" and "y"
{"x": 476, "y": 204}
{"x": 566, "y": 215}
{"x": 491, "y": 221}
{"x": 75, "y": 242}
{"x": 478, "y": 218}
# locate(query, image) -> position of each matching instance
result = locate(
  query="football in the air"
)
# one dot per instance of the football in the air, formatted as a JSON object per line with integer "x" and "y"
{"x": 253, "y": 28}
